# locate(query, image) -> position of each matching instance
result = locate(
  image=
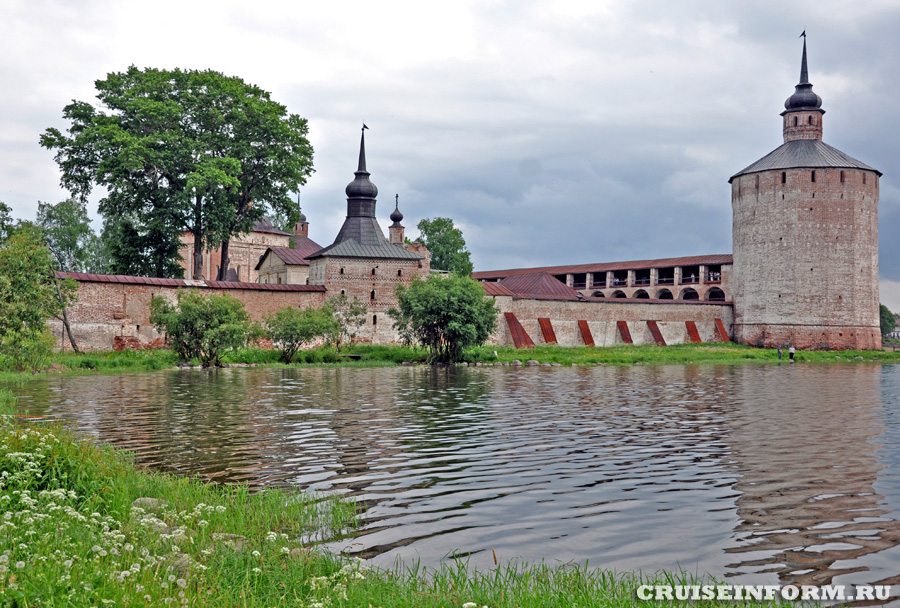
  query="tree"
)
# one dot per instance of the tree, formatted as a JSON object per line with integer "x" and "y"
{"x": 444, "y": 314}
{"x": 446, "y": 244}
{"x": 192, "y": 151}
{"x": 349, "y": 315}
{"x": 30, "y": 294}
{"x": 202, "y": 327}
{"x": 290, "y": 328}
{"x": 888, "y": 320}
{"x": 141, "y": 248}
{"x": 68, "y": 234}
{"x": 6, "y": 223}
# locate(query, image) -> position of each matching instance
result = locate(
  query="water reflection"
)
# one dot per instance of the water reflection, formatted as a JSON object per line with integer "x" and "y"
{"x": 760, "y": 473}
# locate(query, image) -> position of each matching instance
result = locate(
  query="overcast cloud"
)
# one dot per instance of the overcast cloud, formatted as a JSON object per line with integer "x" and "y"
{"x": 551, "y": 132}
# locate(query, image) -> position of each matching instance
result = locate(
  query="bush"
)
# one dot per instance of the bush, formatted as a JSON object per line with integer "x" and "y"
{"x": 291, "y": 328}
{"x": 202, "y": 327}
{"x": 446, "y": 315}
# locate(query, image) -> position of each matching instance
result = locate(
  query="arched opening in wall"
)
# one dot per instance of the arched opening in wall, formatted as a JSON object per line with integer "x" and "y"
{"x": 795, "y": 121}
{"x": 864, "y": 179}
{"x": 689, "y": 294}
{"x": 809, "y": 120}
{"x": 342, "y": 271}
{"x": 374, "y": 319}
{"x": 812, "y": 176}
{"x": 598, "y": 294}
{"x": 784, "y": 177}
{"x": 641, "y": 294}
{"x": 664, "y": 294}
{"x": 619, "y": 294}
{"x": 279, "y": 280}
{"x": 373, "y": 272}
{"x": 372, "y": 295}
{"x": 400, "y": 273}
{"x": 842, "y": 177}
{"x": 715, "y": 295}
{"x": 343, "y": 293}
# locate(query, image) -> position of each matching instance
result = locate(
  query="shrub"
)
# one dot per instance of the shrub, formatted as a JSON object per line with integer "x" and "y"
{"x": 202, "y": 327}
{"x": 446, "y": 315}
{"x": 290, "y": 328}
{"x": 349, "y": 316}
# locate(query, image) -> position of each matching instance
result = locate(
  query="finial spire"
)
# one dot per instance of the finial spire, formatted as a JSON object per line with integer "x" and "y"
{"x": 362, "y": 150}
{"x": 396, "y": 216}
{"x": 804, "y": 72}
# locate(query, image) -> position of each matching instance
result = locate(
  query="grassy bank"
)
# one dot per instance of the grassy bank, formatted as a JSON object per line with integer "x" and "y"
{"x": 368, "y": 355}
{"x": 71, "y": 535}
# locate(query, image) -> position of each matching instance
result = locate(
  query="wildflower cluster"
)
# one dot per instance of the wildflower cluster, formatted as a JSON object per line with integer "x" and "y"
{"x": 325, "y": 591}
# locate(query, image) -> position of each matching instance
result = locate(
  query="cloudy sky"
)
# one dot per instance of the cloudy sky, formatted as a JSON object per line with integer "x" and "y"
{"x": 551, "y": 132}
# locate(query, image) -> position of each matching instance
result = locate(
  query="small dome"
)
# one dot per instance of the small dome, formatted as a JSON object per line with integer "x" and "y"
{"x": 396, "y": 216}
{"x": 302, "y": 217}
{"x": 803, "y": 99}
{"x": 361, "y": 187}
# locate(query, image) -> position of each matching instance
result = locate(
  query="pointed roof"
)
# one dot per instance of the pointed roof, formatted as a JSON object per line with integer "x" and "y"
{"x": 298, "y": 256}
{"x": 803, "y": 97}
{"x": 361, "y": 236}
{"x": 806, "y": 154}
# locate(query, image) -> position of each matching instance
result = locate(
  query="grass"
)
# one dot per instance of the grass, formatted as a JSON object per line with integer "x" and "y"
{"x": 70, "y": 535}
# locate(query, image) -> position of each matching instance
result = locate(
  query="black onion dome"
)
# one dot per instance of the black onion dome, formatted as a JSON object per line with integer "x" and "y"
{"x": 396, "y": 216}
{"x": 803, "y": 97}
{"x": 302, "y": 217}
{"x": 361, "y": 186}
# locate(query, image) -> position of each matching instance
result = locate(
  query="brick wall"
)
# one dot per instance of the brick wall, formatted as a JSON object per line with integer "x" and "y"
{"x": 806, "y": 258}
{"x": 602, "y": 318}
{"x": 111, "y": 316}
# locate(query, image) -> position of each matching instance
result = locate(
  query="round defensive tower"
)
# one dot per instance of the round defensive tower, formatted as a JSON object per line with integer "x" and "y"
{"x": 805, "y": 237}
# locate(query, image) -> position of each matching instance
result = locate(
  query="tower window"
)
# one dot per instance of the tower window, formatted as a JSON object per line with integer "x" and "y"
{"x": 374, "y": 319}
{"x": 864, "y": 179}
{"x": 842, "y": 177}
{"x": 342, "y": 271}
{"x": 813, "y": 176}
{"x": 795, "y": 121}
{"x": 757, "y": 182}
{"x": 373, "y": 272}
{"x": 784, "y": 177}
{"x": 372, "y": 295}
{"x": 810, "y": 120}
{"x": 343, "y": 293}
{"x": 400, "y": 273}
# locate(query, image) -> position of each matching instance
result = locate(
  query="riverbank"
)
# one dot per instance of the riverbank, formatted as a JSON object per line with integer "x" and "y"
{"x": 367, "y": 355}
{"x": 82, "y": 526}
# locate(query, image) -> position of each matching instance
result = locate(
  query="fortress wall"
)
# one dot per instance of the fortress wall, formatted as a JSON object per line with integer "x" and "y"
{"x": 602, "y": 318}
{"x": 116, "y": 316}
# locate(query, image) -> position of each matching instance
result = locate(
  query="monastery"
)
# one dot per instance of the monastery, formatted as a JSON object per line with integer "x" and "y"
{"x": 802, "y": 214}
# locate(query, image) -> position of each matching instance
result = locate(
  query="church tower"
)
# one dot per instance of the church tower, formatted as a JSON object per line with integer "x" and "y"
{"x": 805, "y": 237}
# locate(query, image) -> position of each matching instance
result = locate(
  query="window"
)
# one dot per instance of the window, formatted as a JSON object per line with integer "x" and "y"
{"x": 813, "y": 176}
{"x": 373, "y": 272}
{"x": 842, "y": 177}
{"x": 864, "y": 179}
{"x": 400, "y": 273}
{"x": 784, "y": 177}
{"x": 372, "y": 295}
{"x": 343, "y": 293}
{"x": 374, "y": 319}
{"x": 342, "y": 271}
{"x": 810, "y": 120}
{"x": 279, "y": 280}
{"x": 795, "y": 121}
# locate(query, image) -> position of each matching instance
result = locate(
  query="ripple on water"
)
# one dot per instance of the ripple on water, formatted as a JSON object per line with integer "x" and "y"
{"x": 759, "y": 473}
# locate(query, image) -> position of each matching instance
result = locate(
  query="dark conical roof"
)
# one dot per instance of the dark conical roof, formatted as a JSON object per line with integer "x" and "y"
{"x": 803, "y": 97}
{"x": 361, "y": 236}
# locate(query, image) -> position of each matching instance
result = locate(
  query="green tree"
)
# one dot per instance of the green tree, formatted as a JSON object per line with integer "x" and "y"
{"x": 349, "y": 316}
{"x": 67, "y": 232}
{"x": 446, "y": 244}
{"x": 30, "y": 294}
{"x": 290, "y": 328}
{"x": 888, "y": 320}
{"x": 202, "y": 327}
{"x": 177, "y": 151}
{"x": 445, "y": 314}
{"x": 6, "y": 222}
{"x": 139, "y": 248}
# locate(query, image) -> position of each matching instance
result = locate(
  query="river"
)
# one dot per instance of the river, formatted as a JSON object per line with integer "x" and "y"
{"x": 753, "y": 473}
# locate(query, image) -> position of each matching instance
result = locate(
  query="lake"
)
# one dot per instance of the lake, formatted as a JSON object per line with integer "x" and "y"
{"x": 754, "y": 473}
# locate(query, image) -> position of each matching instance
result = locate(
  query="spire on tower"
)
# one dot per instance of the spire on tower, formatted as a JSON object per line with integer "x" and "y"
{"x": 803, "y": 98}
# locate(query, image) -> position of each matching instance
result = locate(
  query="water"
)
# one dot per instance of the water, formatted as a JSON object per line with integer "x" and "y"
{"x": 758, "y": 474}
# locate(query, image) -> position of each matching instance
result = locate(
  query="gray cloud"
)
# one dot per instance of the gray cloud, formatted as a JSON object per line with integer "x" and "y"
{"x": 551, "y": 132}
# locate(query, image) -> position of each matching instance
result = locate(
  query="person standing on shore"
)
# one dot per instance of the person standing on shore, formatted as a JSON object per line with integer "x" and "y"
{"x": 791, "y": 354}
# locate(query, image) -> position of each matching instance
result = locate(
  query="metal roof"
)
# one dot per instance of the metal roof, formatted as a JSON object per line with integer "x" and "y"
{"x": 492, "y": 288}
{"x": 803, "y": 153}
{"x": 298, "y": 256}
{"x": 352, "y": 248}
{"x": 721, "y": 258}
{"x": 264, "y": 224}
{"x": 129, "y": 280}
{"x": 539, "y": 285}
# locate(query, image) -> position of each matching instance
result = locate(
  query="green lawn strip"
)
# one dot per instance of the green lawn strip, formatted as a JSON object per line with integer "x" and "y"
{"x": 69, "y": 535}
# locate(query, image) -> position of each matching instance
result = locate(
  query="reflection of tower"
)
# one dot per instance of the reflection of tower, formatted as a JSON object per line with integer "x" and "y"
{"x": 807, "y": 508}
{"x": 806, "y": 239}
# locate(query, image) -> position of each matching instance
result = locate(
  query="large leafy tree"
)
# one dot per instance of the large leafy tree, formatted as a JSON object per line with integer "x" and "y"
{"x": 445, "y": 314}
{"x": 446, "y": 244}
{"x": 67, "y": 232}
{"x": 6, "y": 222}
{"x": 193, "y": 151}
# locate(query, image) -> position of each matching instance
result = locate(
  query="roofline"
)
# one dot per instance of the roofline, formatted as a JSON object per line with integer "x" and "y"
{"x": 120, "y": 279}
{"x": 625, "y": 265}
{"x": 816, "y": 167}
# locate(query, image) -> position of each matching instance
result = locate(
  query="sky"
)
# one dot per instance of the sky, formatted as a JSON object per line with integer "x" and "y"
{"x": 550, "y": 132}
